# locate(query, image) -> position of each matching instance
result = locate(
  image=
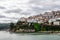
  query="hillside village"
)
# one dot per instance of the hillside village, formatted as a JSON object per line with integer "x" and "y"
{"x": 49, "y": 21}
{"x": 50, "y": 17}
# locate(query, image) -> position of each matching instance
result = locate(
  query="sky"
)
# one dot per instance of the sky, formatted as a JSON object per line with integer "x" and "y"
{"x": 12, "y": 10}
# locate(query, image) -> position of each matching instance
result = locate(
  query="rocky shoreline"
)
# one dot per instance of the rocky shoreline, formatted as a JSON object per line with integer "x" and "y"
{"x": 33, "y": 31}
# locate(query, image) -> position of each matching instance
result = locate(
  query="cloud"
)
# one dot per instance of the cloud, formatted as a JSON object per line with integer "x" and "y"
{"x": 1, "y": 7}
{"x": 1, "y": 16}
{"x": 14, "y": 9}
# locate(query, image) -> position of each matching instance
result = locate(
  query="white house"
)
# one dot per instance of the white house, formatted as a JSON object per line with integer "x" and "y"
{"x": 55, "y": 21}
{"x": 31, "y": 20}
{"x": 23, "y": 19}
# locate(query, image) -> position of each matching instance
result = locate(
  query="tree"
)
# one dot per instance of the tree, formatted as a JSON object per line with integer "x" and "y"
{"x": 11, "y": 26}
{"x": 19, "y": 23}
{"x": 36, "y": 27}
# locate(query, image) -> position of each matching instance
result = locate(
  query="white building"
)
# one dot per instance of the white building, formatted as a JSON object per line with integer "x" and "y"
{"x": 31, "y": 20}
{"x": 23, "y": 19}
{"x": 55, "y": 21}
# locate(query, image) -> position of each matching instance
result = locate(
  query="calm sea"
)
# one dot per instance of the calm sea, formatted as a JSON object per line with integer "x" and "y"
{"x": 28, "y": 36}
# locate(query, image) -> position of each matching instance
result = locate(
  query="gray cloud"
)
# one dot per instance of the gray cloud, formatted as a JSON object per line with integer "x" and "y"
{"x": 26, "y": 9}
{"x": 55, "y": 6}
{"x": 35, "y": 1}
{"x": 1, "y": 7}
{"x": 45, "y": 4}
{"x": 12, "y": 18}
{"x": 1, "y": 0}
{"x": 25, "y": 13}
{"x": 19, "y": 11}
{"x": 13, "y": 11}
{"x": 1, "y": 16}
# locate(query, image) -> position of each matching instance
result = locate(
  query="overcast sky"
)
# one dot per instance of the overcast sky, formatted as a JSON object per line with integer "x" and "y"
{"x": 12, "y": 10}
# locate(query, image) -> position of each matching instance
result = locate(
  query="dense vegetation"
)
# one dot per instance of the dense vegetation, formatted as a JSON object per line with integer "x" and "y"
{"x": 37, "y": 27}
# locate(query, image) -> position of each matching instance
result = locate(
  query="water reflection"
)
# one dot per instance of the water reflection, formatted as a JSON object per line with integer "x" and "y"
{"x": 25, "y": 36}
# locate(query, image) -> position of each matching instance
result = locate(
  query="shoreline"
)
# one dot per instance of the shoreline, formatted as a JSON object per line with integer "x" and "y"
{"x": 36, "y": 33}
{"x": 44, "y": 32}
